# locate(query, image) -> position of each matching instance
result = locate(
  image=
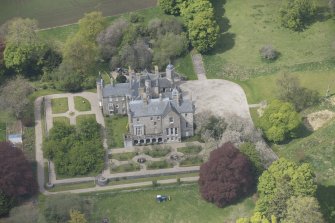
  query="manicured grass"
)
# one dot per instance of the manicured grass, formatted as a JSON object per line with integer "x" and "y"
{"x": 157, "y": 151}
{"x": 2, "y": 131}
{"x": 186, "y": 205}
{"x": 129, "y": 167}
{"x": 62, "y": 119}
{"x": 73, "y": 186}
{"x": 190, "y": 149}
{"x": 264, "y": 87}
{"x": 59, "y": 105}
{"x": 123, "y": 156}
{"x": 116, "y": 127}
{"x": 236, "y": 55}
{"x": 54, "y": 13}
{"x": 163, "y": 164}
{"x": 192, "y": 161}
{"x": 184, "y": 66}
{"x": 81, "y": 118}
{"x": 81, "y": 104}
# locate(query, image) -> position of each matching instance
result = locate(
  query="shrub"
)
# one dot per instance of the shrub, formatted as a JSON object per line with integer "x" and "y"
{"x": 226, "y": 176}
{"x": 135, "y": 18}
{"x": 268, "y": 52}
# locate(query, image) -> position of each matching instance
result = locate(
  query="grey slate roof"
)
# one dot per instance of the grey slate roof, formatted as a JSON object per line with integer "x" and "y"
{"x": 159, "y": 107}
{"x": 117, "y": 90}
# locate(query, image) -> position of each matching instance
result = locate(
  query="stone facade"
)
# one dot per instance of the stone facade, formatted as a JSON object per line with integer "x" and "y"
{"x": 157, "y": 112}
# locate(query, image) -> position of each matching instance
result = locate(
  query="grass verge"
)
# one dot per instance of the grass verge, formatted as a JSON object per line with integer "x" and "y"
{"x": 73, "y": 186}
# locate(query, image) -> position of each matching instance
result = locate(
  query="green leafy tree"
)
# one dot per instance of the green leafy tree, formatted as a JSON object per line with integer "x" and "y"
{"x": 279, "y": 121}
{"x": 303, "y": 210}
{"x": 80, "y": 54}
{"x": 294, "y": 14}
{"x": 77, "y": 217}
{"x": 257, "y": 218}
{"x": 202, "y": 27}
{"x": 91, "y": 25}
{"x": 14, "y": 96}
{"x": 282, "y": 180}
{"x": 170, "y": 6}
{"x": 332, "y": 6}
{"x": 250, "y": 151}
{"x": 289, "y": 90}
{"x": 24, "y": 50}
{"x": 169, "y": 47}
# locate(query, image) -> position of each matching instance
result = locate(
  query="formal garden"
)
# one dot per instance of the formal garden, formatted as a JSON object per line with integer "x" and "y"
{"x": 156, "y": 157}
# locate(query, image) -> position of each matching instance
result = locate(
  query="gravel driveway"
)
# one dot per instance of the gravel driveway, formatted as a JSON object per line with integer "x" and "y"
{"x": 219, "y": 96}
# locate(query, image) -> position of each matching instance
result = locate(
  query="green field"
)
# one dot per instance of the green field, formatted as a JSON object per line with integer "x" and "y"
{"x": 55, "y": 13}
{"x": 248, "y": 25}
{"x": 184, "y": 66}
{"x": 116, "y": 127}
{"x": 264, "y": 87}
{"x": 185, "y": 206}
{"x": 59, "y": 105}
{"x": 81, "y": 104}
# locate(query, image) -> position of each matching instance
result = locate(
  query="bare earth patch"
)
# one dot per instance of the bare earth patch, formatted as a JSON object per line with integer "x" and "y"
{"x": 318, "y": 119}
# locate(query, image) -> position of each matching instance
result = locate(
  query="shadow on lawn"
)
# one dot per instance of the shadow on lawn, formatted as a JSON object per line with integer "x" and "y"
{"x": 326, "y": 198}
{"x": 226, "y": 40}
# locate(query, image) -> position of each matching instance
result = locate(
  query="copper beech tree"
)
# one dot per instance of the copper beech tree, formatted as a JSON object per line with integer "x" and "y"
{"x": 226, "y": 176}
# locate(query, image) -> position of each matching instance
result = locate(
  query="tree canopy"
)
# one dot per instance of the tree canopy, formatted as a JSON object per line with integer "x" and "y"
{"x": 75, "y": 151}
{"x": 281, "y": 181}
{"x": 294, "y": 14}
{"x": 202, "y": 27}
{"x": 279, "y": 121}
{"x": 303, "y": 210}
{"x": 226, "y": 176}
{"x": 14, "y": 96}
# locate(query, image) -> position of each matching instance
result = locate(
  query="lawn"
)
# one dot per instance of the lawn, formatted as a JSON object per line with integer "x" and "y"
{"x": 157, "y": 151}
{"x": 184, "y": 66}
{"x": 247, "y": 26}
{"x": 81, "y": 104}
{"x": 186, "y": 205}
{"x": 62, "y": 119}
{"x": 59, "y": 105}
{"x": 55, "y": 13}
{"x": 264, "y": 87}
{"x": 191, "y": 161}
{"x": 73, "y": 186}
{"x": 116, "y": 127}
{"x": 81, "y": 118}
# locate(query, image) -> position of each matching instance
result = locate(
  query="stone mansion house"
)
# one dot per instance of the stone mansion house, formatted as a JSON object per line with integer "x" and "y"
{"x": 157, "y": 112}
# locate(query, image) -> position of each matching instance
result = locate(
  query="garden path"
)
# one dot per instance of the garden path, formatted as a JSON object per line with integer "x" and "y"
{"x": 199, "y": 66}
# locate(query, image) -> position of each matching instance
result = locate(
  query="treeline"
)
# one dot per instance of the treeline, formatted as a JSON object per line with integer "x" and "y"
{"x": 198, "y": 15}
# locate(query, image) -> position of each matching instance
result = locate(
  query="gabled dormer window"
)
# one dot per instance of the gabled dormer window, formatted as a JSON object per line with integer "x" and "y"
{"x": 171, "y": 119}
